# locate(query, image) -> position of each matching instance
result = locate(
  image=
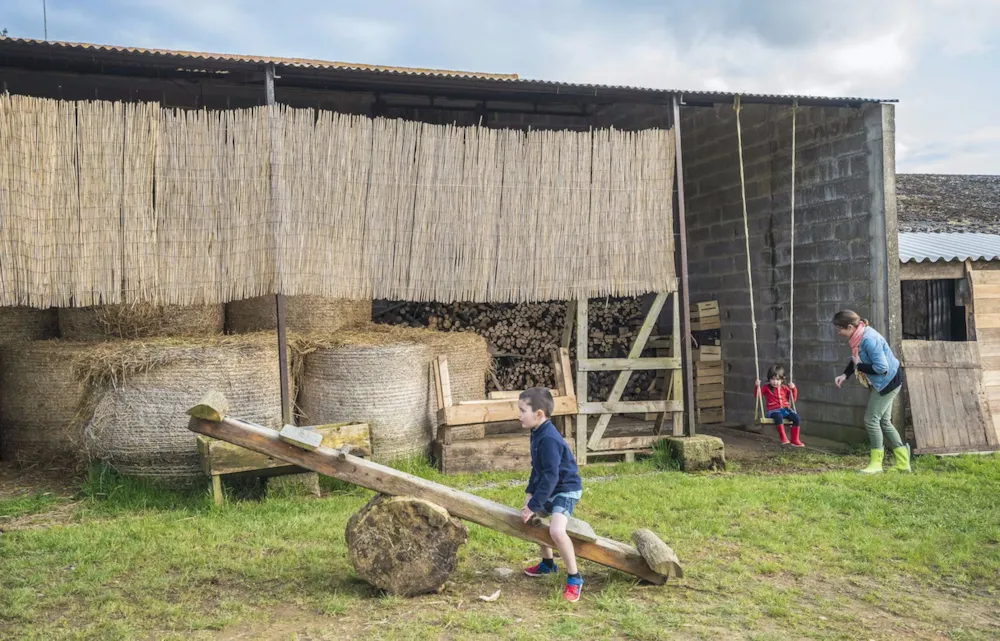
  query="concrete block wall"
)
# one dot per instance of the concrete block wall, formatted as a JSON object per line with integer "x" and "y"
{"x": 840, "y": 237}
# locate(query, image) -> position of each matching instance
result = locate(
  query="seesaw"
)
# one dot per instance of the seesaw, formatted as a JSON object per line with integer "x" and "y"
{"x": 651, "y": 560}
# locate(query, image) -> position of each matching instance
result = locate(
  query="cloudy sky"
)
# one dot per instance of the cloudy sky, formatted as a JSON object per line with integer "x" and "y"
{"x": 940, "y": 58}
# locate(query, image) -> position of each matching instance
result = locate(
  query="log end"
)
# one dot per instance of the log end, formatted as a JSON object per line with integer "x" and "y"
{"x": 404, "y": 545}
{"x": 213, "y": 407}
{"x": 657, "y": 554}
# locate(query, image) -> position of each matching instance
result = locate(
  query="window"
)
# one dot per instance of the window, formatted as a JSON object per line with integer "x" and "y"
{"x": 934, "y": 310}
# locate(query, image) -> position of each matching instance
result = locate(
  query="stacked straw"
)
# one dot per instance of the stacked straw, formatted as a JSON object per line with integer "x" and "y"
{"x": 277, "y": 200}
{"x": 303, "y": 314}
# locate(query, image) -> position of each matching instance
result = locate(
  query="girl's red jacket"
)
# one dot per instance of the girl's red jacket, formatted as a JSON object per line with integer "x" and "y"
{"x": 777, "y": 398}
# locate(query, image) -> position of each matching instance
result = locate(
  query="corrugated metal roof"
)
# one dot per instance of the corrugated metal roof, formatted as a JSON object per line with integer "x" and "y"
{"x": 513, "y": 79}
{"x": 306, "y": 63}
{"x": 918, "y": 247}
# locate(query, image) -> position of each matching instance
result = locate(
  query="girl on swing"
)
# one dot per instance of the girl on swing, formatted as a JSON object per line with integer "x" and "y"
{"x": 877, "y": 369}
{"x": 778, "y": 397}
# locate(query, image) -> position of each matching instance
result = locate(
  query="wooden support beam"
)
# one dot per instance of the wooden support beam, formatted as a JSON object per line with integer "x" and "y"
{"x": 567, "y": 334}
{"x": 387, "y": 480}
{"x": 630, "y": 407}
{"x": 564, "y": 384}
{"x": 628, "y": 364}
{"x": 582, "y": 342}
{"x": 633, "y": 355}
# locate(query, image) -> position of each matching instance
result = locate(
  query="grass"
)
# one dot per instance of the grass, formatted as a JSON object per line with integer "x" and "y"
{"x": 801, "y": 555}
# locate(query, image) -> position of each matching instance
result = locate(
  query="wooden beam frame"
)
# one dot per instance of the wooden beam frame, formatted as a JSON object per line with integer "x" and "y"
{"x": 451, "y": 414}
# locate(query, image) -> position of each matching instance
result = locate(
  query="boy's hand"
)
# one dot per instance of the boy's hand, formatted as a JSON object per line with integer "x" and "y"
{"x": 757, "y": 382}
{"x": 791, "y": 386}
{"x": 526, "y": 514}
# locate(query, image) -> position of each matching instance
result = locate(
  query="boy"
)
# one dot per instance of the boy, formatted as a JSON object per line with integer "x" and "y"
{"x": 553, "y": 487}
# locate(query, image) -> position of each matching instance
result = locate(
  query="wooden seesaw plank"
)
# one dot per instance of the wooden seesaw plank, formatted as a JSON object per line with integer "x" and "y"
{"x": 387, "y": 480}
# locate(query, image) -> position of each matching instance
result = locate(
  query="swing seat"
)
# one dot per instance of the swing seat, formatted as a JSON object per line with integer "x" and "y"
{"x": 769, "y": 421}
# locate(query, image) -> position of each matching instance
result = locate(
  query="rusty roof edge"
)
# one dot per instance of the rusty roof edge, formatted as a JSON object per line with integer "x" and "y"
{"x": 421, "y": 73}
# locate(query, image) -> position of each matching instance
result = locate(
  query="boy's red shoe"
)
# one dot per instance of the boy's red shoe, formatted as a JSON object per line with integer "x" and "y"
{"x": 795, "y": 437}
{"x": 781, "y": 431}
{"x": 572, "y": 590}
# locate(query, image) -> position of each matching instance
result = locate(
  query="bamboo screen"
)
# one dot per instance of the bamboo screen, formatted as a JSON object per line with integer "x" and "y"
{"x": 110, "y": 202}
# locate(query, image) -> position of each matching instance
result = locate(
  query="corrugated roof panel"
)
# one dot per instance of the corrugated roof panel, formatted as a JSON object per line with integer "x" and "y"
{"x": 918, "y": 247}
{"x": 303, "y": 63}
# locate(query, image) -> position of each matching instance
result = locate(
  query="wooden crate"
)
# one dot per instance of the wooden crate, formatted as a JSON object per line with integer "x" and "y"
{"x": 705, "y": 324}
{"x": 711, "y": 416}
{"x": 707, "y": 353}
{"x": 708, "y": 308}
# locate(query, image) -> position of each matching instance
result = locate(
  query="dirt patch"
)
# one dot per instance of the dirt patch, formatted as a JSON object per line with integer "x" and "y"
{"x": 18, "y": 481}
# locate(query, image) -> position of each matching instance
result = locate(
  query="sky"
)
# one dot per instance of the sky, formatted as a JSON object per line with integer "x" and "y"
{"x": 939, "y": 58}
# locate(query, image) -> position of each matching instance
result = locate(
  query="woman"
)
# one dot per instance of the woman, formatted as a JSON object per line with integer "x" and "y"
{"x": 877, "y": 369}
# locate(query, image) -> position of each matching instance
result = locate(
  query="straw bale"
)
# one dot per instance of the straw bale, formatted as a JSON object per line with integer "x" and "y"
{"x": 305, "y": 314}
{"x": 404, "y": 545}
{"x": 19, "y": 324}
{"x": 139, "y": 320}
{"x": 468, "y": 362}
{"x": 40, "y": 396}
{"x": 143, "y": 389}
{"x": 369, "y": 377}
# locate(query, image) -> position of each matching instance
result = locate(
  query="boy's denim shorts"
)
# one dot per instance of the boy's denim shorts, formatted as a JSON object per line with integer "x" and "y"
{"x": 560, "y": 503}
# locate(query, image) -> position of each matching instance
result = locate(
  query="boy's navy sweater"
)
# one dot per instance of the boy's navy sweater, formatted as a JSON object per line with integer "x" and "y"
{"x": 553, "y": 468}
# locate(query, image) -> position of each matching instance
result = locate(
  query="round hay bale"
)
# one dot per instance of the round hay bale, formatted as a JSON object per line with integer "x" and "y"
{"x": 41, "y": 396}
{"x": 372, "y": 378}
{"x": 19, "y": 324}
{"x": 403, "y": 545}
{"x": 139, "y": 320}
{"x": 142, "y": 391}
{"x": 304, "y": 314}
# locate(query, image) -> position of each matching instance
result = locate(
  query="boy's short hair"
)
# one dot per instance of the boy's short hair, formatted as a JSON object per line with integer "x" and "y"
{"x": 776, "y": 371}
{"x": 539, "y": 398}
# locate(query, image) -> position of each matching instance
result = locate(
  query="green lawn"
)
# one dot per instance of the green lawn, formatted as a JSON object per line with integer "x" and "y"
{"x": 828, "y": 554}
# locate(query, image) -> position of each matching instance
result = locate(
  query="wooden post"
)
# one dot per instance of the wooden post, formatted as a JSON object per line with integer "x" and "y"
{"x": 684, "y": 285}
{"x": 564, "y": 384}
{"x": 279, "y": 300}
{"x": 386, "y": 480}
{"x": 582, "y": 335}
{"x": 676, "y": 379}
{"x": 217, "y": 490}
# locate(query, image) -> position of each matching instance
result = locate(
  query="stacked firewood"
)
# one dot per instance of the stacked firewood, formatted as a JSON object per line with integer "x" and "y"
{"x": 521, "y": 337}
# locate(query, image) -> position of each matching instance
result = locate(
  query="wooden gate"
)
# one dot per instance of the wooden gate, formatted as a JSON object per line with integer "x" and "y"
{"x": 947, "y": 398}
{"x": 594, "y": 442}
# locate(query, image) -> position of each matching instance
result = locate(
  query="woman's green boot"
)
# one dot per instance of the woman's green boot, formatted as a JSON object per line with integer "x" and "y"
{"x": 901, "y": 455}
{"x": 875, "y": 464}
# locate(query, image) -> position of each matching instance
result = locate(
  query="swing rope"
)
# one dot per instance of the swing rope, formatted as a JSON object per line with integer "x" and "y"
{"x": 791, "y": 266}
{"x": 759, "y": 404}
{"x": 759, "y": 400}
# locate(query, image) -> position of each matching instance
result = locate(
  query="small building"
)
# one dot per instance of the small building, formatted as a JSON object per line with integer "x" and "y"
{"x": 949, "y": 253}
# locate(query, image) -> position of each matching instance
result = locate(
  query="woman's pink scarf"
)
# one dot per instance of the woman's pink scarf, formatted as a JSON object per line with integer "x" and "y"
{"x": 855, "y": 339}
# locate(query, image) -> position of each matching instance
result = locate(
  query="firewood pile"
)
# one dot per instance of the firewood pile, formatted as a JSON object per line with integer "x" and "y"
{"x": 521, "y": 337}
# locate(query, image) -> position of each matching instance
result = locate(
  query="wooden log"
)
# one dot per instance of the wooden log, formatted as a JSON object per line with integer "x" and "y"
{"x": 213, "y": 406}
{"x": 219, "y": 457}
{"x": 387, "y": 480}
{"x": 404, "y": 545}
{"x": 657, "y": 554}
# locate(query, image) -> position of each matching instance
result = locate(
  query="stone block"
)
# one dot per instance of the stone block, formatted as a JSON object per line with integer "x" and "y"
{"x": 698, "y": 453}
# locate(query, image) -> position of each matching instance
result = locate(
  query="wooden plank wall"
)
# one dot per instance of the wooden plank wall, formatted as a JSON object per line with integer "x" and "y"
{"x": 985, "y": 286}
{"x": 947, "y": 398}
